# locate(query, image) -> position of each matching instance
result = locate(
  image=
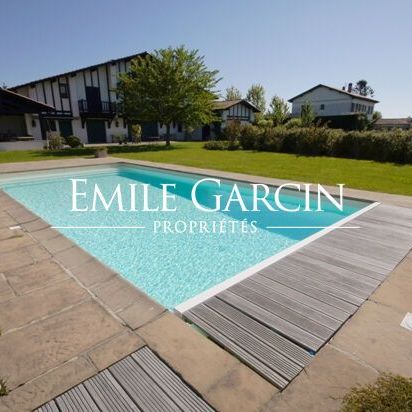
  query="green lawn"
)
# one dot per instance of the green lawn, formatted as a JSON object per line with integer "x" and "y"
{"x": 360, "y": 174}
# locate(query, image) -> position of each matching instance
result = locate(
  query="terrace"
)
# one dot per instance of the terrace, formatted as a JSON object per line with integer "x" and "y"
{"x": 50, "y": 287}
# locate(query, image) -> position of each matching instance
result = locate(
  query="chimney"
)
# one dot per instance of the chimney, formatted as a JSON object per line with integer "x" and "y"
{"x": 350, "y": 88}
{"x": 343, "y": 87}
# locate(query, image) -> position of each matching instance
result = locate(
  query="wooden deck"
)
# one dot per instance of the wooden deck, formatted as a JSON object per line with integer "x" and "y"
{"x": 139, "y": 382}
{"x": 277, "y": 319}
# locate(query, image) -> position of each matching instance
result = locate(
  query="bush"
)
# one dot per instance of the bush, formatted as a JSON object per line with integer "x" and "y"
{"x": 137, "y": 133}
{"x": 389, "y": 393}
{"x": 73, "y": 141}
{"x": 378, "y": 145}
{"x": 216, "y": 145}
{"x": 232, "y": 131}
{"x": 55, "y": 142}
{"x": 248, "y": 137}
{"x": 294, "y": 122}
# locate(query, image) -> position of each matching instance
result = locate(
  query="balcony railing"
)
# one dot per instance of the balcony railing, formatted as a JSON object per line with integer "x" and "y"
{"x": 101, "y": 107}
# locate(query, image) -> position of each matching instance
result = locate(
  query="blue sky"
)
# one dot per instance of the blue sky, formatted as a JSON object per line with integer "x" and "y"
{"x": 288, "y": 46}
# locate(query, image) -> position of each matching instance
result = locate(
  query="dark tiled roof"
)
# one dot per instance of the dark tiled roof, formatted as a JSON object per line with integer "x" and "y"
{"x": 226, "y": 104}
{"x": 354, "y": 95}
{"x": 132, "y": 56}
{"x": 12, "y": 103}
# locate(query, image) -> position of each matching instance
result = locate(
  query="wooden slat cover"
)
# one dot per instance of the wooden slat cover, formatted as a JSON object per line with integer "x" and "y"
{"x": 305, "y": 297}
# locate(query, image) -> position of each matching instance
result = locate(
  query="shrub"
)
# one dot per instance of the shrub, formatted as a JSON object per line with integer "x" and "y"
{"x": 248, "y": 137}
{"x": 137, "y": 133}
{"x": 73, "y": 141}
{"x": 55, "y": 142}
{"x": 232, "y": 131}
{"x": 216, "y": 145}
{"x": 294, "y": 122}
{"x": 389, "y": 393}
{"x": 385, "y": 146}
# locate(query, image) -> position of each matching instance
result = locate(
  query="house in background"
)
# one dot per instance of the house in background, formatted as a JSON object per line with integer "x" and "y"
{"x": 331, "y": 102}
{"x": 85, "y": 102}
{"x": 228, "y": 111}
{"x": 16, "y": 118}
{"x": 400, "y": 123}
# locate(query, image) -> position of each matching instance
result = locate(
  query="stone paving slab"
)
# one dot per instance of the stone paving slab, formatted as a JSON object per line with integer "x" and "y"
{"x": 43, "y": 302}
{"x": 37, "y": 275}
{"x": 45, "y": 387}
{"x": 323, "y": 384}
{"x": 374, "y": 335}
{"x": 31, "y": 351}
{"x": 22, "y": 257}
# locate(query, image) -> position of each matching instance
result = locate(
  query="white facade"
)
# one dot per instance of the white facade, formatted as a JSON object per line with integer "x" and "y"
{"x": 85, "y": 102}
{"x": 328, "y": 101}
{"x": 240, "y": 111}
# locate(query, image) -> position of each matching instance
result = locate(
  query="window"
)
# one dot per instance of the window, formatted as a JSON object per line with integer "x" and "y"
{"x": 322, "y": 107}
{"x": 179, "y": 127}
{"x": 64, "y": 90}
{"x": 52, "y": 125}
{"x": 353, "y": 107}
{"x": 33, "y": 123}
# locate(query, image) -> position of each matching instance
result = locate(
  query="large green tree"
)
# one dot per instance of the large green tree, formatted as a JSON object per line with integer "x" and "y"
{"x": 278, "y": 111}
{"x": 362, "y": 87}
{"x": 256, "y": 96}
{"x": 232, "y": 93}
{"x": 170, "y": 85}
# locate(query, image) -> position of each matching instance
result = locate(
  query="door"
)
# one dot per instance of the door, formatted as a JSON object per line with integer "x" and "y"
{"x": 94, "y": 104}
{"x": 66, "y": 128}
{"x": 96, "y": 131}
{"x": 206, "y": 132}
{"x": 149, "y": 130}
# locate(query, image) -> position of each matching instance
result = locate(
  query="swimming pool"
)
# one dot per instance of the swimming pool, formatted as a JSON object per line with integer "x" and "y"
{"x": 171, "y": 265}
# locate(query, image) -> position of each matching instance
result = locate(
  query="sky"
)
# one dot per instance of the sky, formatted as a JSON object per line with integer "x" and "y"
{"x": 287, "y": 46}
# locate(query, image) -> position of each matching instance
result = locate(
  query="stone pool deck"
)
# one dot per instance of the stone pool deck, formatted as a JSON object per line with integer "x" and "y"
{"x": 64, "y": 317}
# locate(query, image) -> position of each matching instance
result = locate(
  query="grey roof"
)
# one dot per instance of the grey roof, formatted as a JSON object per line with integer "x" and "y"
{"x": 354, "y": 95}
{"x": 395, "y": 121}
{"x": 130, "y": 57}
{"x": 11, "y": 102}
{"x": 226, "y": 104}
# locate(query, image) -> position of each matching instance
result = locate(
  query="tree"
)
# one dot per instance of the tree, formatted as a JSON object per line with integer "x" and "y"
{"x": 361, "y": 87}
{"x": 376, "y": 115}
{"x": 307, "y": 114}
{"x": 170, "y": 85}
{"x": 279, "y": 111}
{"x": 256, "y": 96}
{"x": 232, "y": 93}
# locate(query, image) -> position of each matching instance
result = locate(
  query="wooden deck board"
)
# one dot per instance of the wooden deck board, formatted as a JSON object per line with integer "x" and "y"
{"x": 305, "y": 297}
{"x": 139, "y": 382}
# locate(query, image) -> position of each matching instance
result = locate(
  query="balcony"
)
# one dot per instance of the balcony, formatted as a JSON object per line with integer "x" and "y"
{"x": 99, "y": 108}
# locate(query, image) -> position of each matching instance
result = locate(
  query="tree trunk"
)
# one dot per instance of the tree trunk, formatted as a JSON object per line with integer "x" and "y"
{"x": 168, "y": 134}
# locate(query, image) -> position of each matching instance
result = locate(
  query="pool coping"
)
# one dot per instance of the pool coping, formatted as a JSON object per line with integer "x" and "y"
{"x": 212, "y": 390}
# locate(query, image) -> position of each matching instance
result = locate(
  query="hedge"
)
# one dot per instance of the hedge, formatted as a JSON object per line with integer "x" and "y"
{"x": 385, "y": 146}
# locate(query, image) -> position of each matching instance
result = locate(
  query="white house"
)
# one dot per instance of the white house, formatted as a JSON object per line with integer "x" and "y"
{"x": 331, "y": 101}
{"x": 240, "y": 111}
{"x": 85, "y": 103}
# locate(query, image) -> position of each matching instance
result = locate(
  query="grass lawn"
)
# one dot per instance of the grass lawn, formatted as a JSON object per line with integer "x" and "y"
{"x": 359, "y": 174}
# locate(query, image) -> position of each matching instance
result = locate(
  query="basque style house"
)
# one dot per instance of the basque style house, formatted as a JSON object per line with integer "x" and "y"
{"x": 85, "y": 103}
{"x": 331, "y": 101}
{"x": 227, "y": 111}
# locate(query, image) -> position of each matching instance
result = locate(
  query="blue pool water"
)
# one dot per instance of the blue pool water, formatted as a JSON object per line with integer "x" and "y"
{"x": 170, "y": 267}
